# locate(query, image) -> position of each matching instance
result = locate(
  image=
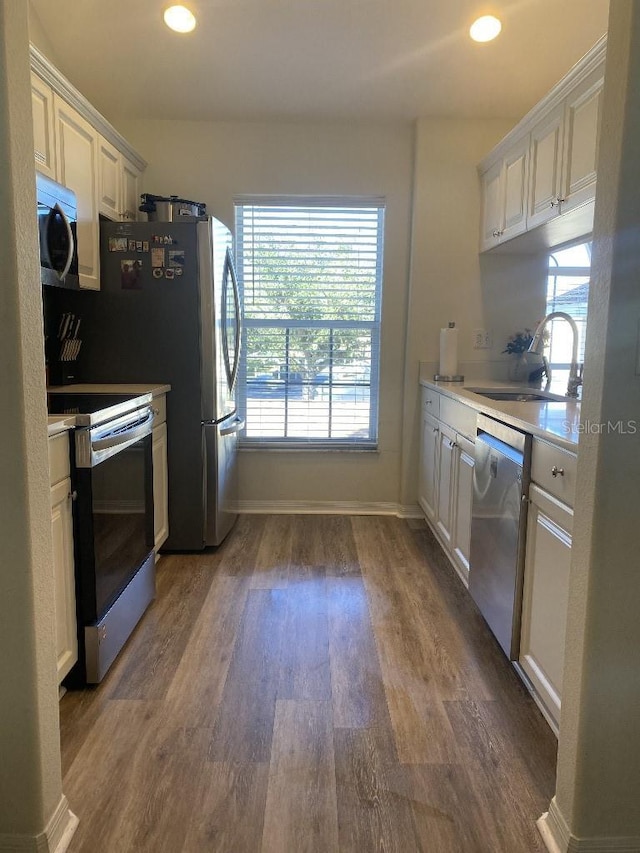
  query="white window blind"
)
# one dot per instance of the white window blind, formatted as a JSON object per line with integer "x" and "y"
{"x": 310, "y": 274}
{"x": 568, "y": 291}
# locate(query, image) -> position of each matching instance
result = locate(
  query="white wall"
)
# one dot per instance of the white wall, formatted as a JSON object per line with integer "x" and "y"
{"x": 213, "y": 161}
{"x": 30, "y": 773}
{"x": 598, "y": 785}
{"x": 449, "y": 280}
{"x": 38, "y": 35}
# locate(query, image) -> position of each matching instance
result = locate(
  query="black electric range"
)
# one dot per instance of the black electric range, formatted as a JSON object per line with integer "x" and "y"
{"x": 112, "y": 477}
{"x": 92, "y": 409}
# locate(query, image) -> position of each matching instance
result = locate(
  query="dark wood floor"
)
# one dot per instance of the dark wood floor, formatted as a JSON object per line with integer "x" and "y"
{"x": 317, "y": 684}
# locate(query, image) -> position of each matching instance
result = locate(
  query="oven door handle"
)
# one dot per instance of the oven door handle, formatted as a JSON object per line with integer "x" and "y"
{"x": 140, "y": 430}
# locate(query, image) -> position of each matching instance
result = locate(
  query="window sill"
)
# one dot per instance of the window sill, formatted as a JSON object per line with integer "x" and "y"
{"x": 279, "y": 447}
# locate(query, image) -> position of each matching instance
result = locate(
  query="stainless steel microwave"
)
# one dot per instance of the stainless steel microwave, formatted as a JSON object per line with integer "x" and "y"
{"x": 57, "y": 216}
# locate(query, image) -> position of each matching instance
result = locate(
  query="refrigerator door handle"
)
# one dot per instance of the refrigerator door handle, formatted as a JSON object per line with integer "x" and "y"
{"x": 232, "y": 373}
{"x": 208, "y": 367}
{"x": 237, "y": 426}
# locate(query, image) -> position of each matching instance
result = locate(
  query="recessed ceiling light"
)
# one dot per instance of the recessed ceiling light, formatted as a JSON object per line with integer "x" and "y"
{"x": 485, "y": 28}
{"x": 180, "y": 19}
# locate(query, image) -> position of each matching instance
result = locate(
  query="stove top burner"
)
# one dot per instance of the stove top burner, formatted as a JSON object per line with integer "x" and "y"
{"x": 93, "y": 409}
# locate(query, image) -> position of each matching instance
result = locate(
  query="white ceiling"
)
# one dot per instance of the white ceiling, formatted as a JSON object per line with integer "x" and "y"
{"x": 317, "y": 59}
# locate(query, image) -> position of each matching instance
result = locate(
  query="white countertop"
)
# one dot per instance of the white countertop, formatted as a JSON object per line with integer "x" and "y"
{"x": 558, "y": 422}
{"x": 123, "y": 388}
{"x": 59, "y": 423}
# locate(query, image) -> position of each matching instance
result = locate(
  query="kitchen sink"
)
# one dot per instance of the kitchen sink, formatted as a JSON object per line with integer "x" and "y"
{"x": 516, "y": 395}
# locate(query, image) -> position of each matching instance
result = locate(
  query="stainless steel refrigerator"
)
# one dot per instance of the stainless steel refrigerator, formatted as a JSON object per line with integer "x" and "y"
{"x": 168, "y": 311}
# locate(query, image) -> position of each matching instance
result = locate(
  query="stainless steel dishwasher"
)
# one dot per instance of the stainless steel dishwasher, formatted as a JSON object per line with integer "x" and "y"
{"x": 498, "y": 526}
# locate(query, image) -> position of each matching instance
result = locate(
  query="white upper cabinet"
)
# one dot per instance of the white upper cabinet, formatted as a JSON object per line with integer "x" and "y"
{"x": 76, "y": 146}
{"x": 119, "y": 184}
{"x": 77, "y": 168}
{"x": 516, "y": 171}
{"x": 109, "y": 177}
{"x": 504, "y": 196}
{"x": 545, "y": 167}
{"x": 43, "y": 134}
{"x": 131, "y": 178}
{"x": 492, "y": 206}
{"x": 581, "y": 137}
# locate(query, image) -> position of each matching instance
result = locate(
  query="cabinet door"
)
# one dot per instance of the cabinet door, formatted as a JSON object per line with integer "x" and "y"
{"x": 545, "y": 168}
{"x": 582, "y": 133}
{"x": 446, "y": 484}
{"x": 63, "y": 569}
{"x": 160, "y": 486}
{"x": 428, "y": 466}
{"x": 110, "y": 180}
{"x": 43, "y": 134}
{"x": 546, "y": 597}
{"x": 492, "y": 207}
{"x": 515, "y": 175}
{"x": 461, "y": 536}
{"x": 77, "y": 167}
{"x": 130, "y": 190}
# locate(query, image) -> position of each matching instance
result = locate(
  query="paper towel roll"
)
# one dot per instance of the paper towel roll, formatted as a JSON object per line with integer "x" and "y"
{"x": 449, "y": 352}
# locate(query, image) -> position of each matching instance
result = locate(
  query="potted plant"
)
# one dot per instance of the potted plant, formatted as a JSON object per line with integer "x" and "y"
{"x": 520, "y": 368}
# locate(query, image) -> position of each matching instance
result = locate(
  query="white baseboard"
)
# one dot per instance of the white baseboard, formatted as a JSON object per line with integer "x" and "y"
{"x": 328, "y": 508}
{"x": 558, "y": 838}
{"x": 55, "y": 838}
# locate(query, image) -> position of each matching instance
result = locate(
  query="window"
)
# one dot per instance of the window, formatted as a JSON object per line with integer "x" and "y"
{"x": 568, "y": 291}
{"x": 310, "y": 277}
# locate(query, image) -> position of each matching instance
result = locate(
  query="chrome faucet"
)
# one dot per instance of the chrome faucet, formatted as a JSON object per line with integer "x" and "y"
{"x": 537, "y": 345}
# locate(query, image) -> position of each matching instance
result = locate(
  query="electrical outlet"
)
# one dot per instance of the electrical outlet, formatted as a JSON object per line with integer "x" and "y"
{"x": 481, "y": 339}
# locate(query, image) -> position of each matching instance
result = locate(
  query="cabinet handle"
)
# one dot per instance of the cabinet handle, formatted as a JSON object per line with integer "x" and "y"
{"x": 497, "y": 233}
{"x": 434, "y": 429}
{"x": 72, "y": 495}
{"x": 557, "y": 472}
{"x": 428, "y": 402}
{"x": 156, "y": 412}
{"x": 557, "y": 201}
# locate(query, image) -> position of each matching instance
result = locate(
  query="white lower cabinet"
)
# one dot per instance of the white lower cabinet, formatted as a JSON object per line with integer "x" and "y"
{"x": 428, "y": 470}
{"x": 63, "y": 561}
{"x": 446, "y": 483}
{"x": 461, "y": 533}
{"x": 160, "y": 486}
{"x": 160, "y": 473}
{"x": 446, "y": 497}
{"x": 446, "y": 475}
{"x": 546, "y": 597}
